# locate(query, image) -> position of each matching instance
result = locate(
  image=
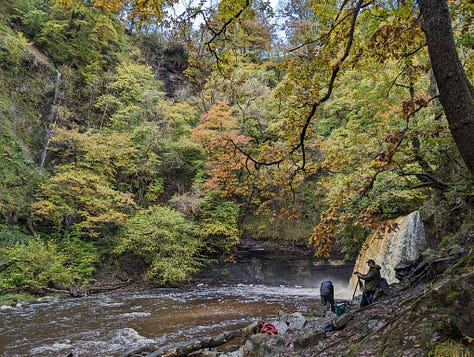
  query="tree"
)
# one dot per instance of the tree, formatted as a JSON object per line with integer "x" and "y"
{"x": 341, "y": 24}
{"x": 339, "y": 37}
{"x": 218, "y": 227}
{"x": 131, "y": 97}
{"x": 35, "y": 264}
{"x": 456, "y": 93}
{"x": 166, "y": 242}
{"x": 83, "y": 195}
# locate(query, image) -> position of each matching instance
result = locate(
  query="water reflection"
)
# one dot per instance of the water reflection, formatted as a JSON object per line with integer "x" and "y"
{"x": 113, "y": 323}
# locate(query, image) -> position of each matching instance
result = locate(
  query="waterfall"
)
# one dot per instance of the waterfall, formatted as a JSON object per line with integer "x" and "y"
{"x": 51, "y": 119}
{"x": 392, "y": 247}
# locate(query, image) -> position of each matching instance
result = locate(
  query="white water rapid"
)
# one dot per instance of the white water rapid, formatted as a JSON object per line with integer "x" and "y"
{"x": 403, "y": 244}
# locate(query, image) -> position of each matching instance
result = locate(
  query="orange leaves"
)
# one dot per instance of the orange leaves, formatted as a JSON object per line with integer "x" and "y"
{"x": 218, "y": 133}
{"x": 413, "y": 104}
{"x": 384, "y": 158}
{"x": 397, "y": 38}
{"x": 218, "y": 119}
{"x": 367, "y": 219}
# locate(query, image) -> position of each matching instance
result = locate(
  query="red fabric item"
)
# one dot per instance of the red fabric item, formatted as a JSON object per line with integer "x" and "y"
{"x": 268, "y": 327}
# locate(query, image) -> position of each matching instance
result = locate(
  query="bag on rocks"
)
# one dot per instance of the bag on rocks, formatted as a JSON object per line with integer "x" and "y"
{"x": 268, "y": 327}
{"x": 328, "y": 327}
{"x": 340, "y": 309}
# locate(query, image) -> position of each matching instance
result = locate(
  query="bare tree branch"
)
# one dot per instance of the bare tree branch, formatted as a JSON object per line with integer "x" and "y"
{"x": 223, "y": 29}
{"x": 335, "y": 71}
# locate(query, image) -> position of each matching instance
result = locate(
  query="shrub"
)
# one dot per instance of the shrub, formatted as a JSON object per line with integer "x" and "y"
{"x": 35, "y": 265}
{"x": 165, "y": 241}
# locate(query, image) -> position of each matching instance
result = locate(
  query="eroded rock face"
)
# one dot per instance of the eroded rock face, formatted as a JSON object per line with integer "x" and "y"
{"x": 457, "y": 295}
{"x": 258, "y": 264}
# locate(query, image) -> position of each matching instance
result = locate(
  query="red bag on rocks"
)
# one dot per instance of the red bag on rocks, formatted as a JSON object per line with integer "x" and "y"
{"x": 268, "y": 327}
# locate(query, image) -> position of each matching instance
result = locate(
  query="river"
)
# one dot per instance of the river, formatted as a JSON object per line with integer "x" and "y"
{"x": 112, "y": 323}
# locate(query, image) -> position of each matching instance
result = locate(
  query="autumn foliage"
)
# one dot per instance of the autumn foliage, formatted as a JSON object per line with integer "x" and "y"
{"x": 121, "y": 114}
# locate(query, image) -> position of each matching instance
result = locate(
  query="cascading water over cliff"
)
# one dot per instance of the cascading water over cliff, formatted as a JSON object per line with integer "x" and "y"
{"x": 403, "y": 244}
{"x": 51, "y": 120}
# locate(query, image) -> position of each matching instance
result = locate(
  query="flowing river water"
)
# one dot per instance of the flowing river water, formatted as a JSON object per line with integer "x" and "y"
{"x": 113, "y": 323}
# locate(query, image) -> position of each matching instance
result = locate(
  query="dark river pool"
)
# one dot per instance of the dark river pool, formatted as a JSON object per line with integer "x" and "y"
{"x": 113, "y": 323}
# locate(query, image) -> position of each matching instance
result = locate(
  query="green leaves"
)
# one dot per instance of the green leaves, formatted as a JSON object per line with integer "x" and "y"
{"x": 218, "y": 227}
{"x": 36, "y": 265}
{"x": 165, "y": 241}
{"x": 131, "y": 97}
{"x": 13, "y": 50}
{"x": 84, "y": 194}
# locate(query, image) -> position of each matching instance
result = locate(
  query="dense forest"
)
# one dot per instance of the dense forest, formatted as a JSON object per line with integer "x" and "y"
{"x": 155, "y": 136}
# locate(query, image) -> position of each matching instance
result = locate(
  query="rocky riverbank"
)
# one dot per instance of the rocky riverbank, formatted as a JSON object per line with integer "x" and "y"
{"x": 428, "y": 313}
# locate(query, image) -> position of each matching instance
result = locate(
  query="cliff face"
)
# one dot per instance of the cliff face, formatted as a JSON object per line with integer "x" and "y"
{"x": 27, "y": 84}
{"x": 168, "y": 62}
{"x": 261, "y": 263}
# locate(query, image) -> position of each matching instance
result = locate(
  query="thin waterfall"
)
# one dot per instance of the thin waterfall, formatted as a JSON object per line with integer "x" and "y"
{"x": 393, "y": 247}
{"x": 51, "y": 119}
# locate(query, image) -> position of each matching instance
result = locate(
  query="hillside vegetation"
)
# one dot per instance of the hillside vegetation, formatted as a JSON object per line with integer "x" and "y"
{"x": 137, "y": 142}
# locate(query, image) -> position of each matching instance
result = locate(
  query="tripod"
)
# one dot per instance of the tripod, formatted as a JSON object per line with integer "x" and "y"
{"x": 359, "y": 284}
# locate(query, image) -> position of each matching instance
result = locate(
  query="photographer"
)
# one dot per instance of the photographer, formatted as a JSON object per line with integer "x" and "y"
{"x": 372, "y": 282}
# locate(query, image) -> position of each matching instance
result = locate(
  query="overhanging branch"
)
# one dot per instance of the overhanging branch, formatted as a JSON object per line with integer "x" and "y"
{"x": 335, "y": 70}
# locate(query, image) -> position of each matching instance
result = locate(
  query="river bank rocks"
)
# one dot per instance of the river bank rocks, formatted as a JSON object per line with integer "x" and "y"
{"x": 428, "y": 315}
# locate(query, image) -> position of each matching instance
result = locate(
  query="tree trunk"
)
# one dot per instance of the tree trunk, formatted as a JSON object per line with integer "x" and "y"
{"x": 456, "y": 93}
{"x": 190, "y": 347}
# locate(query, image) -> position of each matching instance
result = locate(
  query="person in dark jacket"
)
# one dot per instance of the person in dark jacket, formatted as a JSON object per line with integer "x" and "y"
{"x": 371, "y": 283}
{"x": 326, "y": 292}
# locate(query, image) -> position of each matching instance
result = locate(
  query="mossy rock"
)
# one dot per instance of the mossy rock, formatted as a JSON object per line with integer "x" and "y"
{"x": 448, "y": 307}
{"x": 465, "y": 264}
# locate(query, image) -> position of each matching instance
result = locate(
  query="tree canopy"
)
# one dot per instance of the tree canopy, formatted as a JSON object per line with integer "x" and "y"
{"x": 147, "y": 131}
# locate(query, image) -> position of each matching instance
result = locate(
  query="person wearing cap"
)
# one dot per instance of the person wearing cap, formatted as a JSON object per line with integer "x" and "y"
{"x": 371, "y": 282}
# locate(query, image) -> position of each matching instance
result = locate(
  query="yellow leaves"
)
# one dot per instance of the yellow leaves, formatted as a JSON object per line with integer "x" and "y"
{"x": 324, "y": 233}
{"x": 109, "y": 5}
{"x": 232, "y": 9}
{"x": 95, "y": 225}
{"x": 100, "y": 153}
{"x": 140, "y": 11}
{"x": 42, "y": 209}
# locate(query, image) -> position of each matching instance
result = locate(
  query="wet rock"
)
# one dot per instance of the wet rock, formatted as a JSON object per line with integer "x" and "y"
{"x": 368, "y": 328}
{"x": 308, "y": 339}
{"x": 372, "y": 323}
{"x": 341, "y": 322}
{"x": 264, "y": 345}
{"x": 403, "y": 269}
{"x": 296, "y": 321}
{"x": 281, "y": 327}
{"x": 430, "y": 254}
